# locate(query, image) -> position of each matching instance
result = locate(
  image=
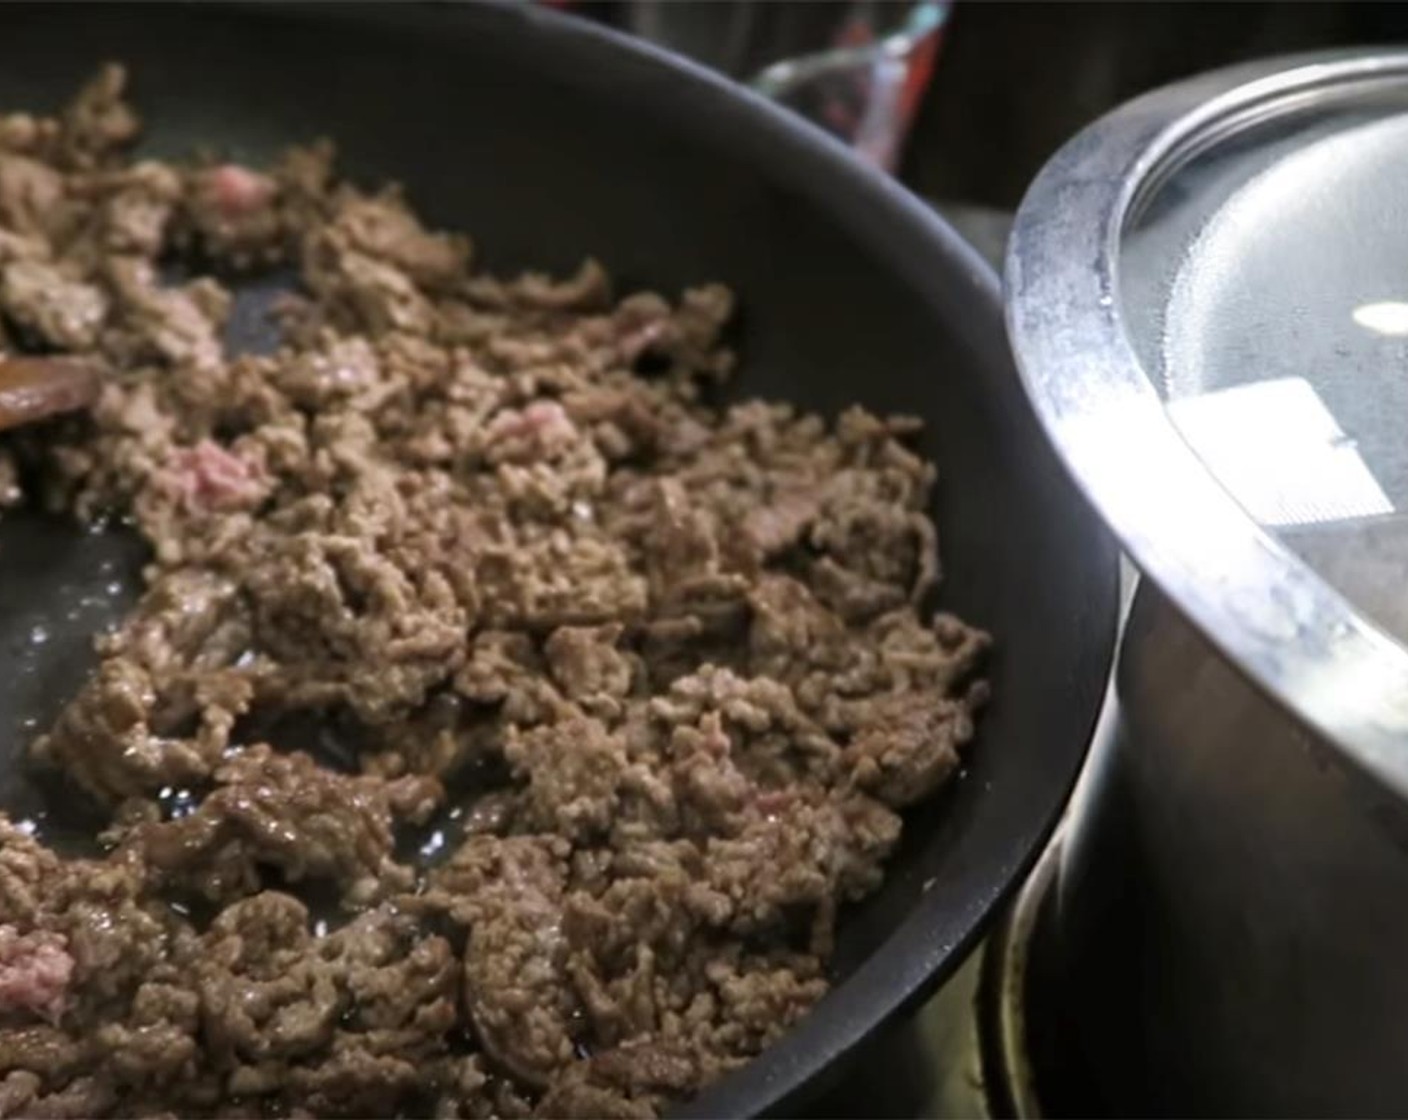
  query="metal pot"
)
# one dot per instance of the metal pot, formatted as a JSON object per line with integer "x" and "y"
{"x": 1232, "y": 905}
{"x": 1205, "y": 299}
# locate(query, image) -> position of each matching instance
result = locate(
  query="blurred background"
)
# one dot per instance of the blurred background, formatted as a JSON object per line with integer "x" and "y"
{"x": 966, "y": 99}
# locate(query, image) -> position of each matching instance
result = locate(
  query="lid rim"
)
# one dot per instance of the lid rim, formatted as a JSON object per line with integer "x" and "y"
{"x": 1263, "y": 607}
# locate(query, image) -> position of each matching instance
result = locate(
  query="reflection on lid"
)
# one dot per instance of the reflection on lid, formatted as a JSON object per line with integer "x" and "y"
{"x": 1278, "y": 450}
{"x": 1388, "y": 317}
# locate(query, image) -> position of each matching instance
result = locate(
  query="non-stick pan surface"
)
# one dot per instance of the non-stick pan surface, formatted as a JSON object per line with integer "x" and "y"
{"x": 548, "y": 139}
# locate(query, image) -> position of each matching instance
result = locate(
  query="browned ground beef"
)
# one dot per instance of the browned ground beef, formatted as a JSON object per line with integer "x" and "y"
{"x": 620, "y": 692}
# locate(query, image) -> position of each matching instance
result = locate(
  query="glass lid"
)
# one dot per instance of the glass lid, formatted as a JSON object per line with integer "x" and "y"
{"x": 1207, "y": 296}
{"x": 1264, "y": 285}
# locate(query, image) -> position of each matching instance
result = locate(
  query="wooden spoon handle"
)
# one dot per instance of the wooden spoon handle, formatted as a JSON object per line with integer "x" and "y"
{"x": 32, "y": 388}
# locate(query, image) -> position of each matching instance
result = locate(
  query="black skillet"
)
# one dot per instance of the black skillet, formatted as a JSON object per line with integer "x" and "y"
{"x": 548, "y": 139}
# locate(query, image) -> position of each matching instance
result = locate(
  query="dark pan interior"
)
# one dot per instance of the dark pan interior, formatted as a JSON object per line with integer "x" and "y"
{"x": 548, "y": 140}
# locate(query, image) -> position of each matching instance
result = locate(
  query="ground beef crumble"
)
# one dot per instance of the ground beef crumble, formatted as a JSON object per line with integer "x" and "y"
{"x": 615, "y": 695}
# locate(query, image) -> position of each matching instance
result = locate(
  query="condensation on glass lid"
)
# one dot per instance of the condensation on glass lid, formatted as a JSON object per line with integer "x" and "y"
{"x": 1285, "y": 337}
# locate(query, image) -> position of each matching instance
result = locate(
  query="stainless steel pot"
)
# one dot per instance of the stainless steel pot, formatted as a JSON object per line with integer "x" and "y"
{"x": 1207, "y": 300}
{"x": 1232, "y": 906}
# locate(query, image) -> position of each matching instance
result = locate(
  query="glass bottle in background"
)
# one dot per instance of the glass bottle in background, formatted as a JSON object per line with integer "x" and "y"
{"x": 858, "y": 69}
